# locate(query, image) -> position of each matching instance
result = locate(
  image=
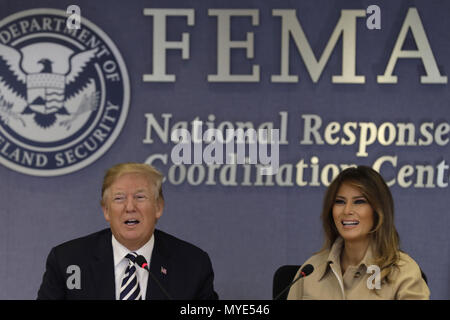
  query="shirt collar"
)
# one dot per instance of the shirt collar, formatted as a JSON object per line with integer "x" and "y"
{"x": 335, "y": 251}
{"x": 368, "y": 257}
{"x": 334, "y": 257}
{"x": 120, "y": 251}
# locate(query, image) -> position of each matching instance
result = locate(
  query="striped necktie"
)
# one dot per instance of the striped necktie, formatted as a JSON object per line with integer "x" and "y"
{"x": 130, "y": 286}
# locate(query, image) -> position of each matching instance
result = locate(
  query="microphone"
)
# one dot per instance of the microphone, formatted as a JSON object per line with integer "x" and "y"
{"x": 141, "y": 262}
{"x": 305, "y": 271}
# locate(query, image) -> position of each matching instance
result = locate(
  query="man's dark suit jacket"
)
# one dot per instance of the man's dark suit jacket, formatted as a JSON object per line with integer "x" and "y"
{"x": 183, "y": 270}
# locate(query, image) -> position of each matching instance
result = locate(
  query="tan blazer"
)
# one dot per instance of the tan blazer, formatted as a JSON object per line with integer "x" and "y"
{"x": 327, "y": 282}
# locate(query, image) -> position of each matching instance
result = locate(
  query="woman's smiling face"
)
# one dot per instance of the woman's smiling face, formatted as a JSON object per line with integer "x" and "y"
{"x": 352, "y": 214}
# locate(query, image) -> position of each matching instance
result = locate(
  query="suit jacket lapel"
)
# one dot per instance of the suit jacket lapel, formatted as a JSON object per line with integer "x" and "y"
{"x": 102, "y": 268}
{"x": 160, "y": 268}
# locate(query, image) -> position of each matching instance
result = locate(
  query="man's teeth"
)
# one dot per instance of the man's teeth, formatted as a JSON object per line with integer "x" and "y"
{"x": 131, "y": 222}
{"x": 350, "y": 223}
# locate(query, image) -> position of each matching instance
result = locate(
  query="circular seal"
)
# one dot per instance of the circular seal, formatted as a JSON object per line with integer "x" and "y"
{"x": 64, "y": 93}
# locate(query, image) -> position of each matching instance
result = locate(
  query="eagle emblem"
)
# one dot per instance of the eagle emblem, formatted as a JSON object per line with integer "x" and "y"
{"x": 46, "y": 91}
{"x": 64, "y": 93}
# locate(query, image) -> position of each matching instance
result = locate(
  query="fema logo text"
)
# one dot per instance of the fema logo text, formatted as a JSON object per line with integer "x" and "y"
{"x": 64, "y": 93}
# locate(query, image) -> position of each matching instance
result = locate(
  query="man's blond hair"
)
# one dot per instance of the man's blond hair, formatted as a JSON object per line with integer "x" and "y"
{"x": 153, "y": 176}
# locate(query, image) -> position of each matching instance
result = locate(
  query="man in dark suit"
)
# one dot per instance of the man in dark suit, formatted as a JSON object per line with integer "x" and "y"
{"x": 103, "y": 265}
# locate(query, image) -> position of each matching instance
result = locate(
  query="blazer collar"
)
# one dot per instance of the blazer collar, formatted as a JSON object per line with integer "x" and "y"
{"x": 160, "y": 267}
{"x": 102, "y": 266}
{"x": 334, "y": 257}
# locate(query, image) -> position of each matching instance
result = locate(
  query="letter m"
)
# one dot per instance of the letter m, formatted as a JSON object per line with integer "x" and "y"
{"x": 346, "y": 26}
{"x": 229, "y": 309}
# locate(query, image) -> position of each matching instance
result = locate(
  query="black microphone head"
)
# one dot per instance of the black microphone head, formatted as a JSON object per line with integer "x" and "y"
{"x": 141, "y": 261}
{"x": 307, "y": 270}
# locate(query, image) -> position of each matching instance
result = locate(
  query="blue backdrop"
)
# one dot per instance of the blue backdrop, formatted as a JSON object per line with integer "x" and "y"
{"x": 322, "y": 72}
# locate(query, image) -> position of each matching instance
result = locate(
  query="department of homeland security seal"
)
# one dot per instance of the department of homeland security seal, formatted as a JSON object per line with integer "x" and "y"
{"x": 64, "y": 93}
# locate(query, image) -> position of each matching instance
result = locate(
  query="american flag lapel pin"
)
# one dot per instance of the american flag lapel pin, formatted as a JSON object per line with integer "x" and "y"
{"x": 163, "y": 270}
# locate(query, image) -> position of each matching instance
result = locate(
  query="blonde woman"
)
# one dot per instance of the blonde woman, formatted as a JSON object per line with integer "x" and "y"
{"x": 361, "y": 258}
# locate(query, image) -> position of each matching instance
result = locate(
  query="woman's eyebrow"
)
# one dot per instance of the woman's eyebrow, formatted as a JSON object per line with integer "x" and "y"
{"x": 355, "y": 197}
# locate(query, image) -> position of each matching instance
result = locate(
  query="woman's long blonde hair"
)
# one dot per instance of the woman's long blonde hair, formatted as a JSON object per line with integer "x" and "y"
{"x": 384, "y": 236}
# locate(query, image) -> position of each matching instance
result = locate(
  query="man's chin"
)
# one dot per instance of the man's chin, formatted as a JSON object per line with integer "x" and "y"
{"x": 133, "y": 239}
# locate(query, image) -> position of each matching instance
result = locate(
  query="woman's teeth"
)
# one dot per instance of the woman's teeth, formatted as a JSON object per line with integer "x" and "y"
{"x": 350, "y": 223}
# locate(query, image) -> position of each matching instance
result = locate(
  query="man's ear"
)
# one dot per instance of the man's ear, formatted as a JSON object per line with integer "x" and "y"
{"x": 159, "y": 208}
{"x": 105, "y": 212}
